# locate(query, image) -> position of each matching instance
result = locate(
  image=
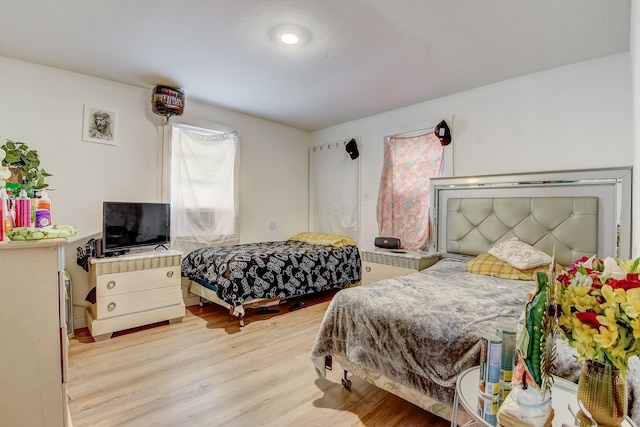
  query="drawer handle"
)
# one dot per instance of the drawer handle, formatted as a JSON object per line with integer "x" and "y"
{"x": 367, "y": 269}
{"x": 111, "y": 284}
{"x": 170, "y": 273}
{"x": 111, "y": 306}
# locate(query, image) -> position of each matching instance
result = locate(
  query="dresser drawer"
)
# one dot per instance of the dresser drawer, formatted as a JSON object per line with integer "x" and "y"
{"x": 132, "y": 302}
{"x": 135, "y": 281}
{"x": 134, "y": 290}
{"x": 372, "y": 272}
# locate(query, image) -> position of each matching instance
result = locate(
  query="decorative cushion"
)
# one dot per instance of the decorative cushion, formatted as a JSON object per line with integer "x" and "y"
{"x": 489, "y": 265}
{"x": 323, "y": 239}
{"x": 519, "y": 254}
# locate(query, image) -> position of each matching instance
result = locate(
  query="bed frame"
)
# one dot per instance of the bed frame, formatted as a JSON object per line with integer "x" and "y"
{"x": 208, "y": 295}
{"x": 575, "y": 213}
{"x": 277, "y": 272}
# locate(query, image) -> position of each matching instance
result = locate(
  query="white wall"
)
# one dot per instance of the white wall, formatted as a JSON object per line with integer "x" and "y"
{"x": 43, "y": 107}
{"x": 573, "y": 117}
{"x": 635, "y": 69}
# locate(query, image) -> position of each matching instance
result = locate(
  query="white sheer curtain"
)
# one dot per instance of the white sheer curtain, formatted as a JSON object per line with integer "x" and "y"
{"x": 204, "y": 199}
{"x": 334, "y": 190}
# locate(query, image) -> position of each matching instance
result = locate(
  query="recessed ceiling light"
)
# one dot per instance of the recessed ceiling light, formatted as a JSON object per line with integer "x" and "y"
{"x": 289, "y": 38}
{"x": 290, "y": 35}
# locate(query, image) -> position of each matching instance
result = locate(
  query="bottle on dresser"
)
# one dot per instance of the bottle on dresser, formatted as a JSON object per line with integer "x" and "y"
{"x": 2, "y": 218}
{"x": 43, "y": 211}
{"x": 23, "y": 210}
{"x": 7, "y": 209}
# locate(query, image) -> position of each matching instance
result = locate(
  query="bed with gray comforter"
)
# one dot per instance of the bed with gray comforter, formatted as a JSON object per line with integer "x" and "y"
{"x": 423, "y": 329}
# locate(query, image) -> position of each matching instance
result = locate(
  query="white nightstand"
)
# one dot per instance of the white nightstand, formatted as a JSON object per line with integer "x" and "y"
{"x": 134, "y": 290}
{"x": 379, "y": 264}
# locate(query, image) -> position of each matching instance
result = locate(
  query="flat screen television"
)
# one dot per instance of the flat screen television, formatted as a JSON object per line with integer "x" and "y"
{"x": 127, "y": 225}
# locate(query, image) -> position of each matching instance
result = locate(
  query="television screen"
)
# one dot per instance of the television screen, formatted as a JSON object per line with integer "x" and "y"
{"x": 127, "y": 225}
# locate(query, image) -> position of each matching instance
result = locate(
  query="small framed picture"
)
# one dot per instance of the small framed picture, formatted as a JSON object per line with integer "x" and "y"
{"x": 100, "y": 125}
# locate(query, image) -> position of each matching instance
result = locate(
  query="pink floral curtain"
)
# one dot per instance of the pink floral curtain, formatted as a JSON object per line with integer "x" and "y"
{"x": 403, "y": 199}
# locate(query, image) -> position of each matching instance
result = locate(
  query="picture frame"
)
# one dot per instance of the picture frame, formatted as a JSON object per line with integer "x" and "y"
{"x": 100, "y": 125}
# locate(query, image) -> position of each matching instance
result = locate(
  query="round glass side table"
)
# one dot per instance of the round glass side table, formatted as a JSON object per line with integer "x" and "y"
{"x": 468, "y": 397}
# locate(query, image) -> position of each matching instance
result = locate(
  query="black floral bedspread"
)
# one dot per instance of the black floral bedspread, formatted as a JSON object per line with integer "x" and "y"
{"x": 242, "y": 273}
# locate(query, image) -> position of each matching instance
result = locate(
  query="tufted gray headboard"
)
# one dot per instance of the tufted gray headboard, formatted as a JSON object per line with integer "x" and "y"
{"x": 570, "y": 224}
{"x": 550, "y": 196}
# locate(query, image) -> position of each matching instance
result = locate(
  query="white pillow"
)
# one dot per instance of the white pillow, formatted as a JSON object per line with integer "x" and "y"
{"x": 519, "y": 254}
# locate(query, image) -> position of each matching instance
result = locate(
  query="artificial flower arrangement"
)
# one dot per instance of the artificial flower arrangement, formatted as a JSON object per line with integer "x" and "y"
{"x": 600, "y": 309}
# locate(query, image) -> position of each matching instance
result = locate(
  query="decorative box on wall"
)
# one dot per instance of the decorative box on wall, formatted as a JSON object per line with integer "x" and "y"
{"x": 134, "y": 290}
{"x": 379, "y": 264}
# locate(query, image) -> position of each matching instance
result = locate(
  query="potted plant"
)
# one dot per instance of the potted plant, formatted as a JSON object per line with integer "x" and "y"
{"x": 24, "y": 164}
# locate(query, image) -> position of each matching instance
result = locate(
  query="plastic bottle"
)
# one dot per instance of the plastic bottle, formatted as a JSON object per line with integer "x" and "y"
{"x": 2, "y": 217}
{"x": 508, "y": 330}
{"x": 23, "y": 210}
{"x": 4, "y": 205}
{"x": 44, "y": 202}
{"x": 490, "y": 359}
{"x": 32, "y": 212}
{"x": 43, "y": 211}
{"x": 10, "y": 198}
{"x": 43, "y": 218}
{"x": 7, "y": 210}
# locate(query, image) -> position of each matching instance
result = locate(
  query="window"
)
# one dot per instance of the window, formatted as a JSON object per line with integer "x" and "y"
{"x": 333, "y": 179}
{"x": 403, "y": 198}
{"x": 204, "y": 201}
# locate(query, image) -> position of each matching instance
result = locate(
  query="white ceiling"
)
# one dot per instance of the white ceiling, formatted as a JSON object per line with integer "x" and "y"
{"x": 362, "y": 57}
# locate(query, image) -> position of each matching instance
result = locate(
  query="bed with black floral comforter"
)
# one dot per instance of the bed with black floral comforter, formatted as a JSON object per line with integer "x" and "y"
{"x": 272, "y": 270}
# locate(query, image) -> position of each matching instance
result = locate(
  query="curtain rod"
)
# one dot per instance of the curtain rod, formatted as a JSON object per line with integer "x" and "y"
{"x": 413, "y": 133}
{"x": 204, "y": 132}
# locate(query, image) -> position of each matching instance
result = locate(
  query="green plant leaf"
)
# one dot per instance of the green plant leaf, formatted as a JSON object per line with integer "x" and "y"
{"x": 11, "y": 158}
{"x": 18, "y": 155}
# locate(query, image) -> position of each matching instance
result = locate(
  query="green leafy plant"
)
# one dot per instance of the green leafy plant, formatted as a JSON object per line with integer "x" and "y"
{"x": 27, "y": 162}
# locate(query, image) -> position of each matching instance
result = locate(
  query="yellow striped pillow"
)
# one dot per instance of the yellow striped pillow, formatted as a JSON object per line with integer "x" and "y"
{"x": 489, "y": 265}
{"x": 323, "y": 239}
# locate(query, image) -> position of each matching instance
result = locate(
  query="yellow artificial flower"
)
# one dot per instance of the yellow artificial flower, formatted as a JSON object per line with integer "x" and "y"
{"x": 635, "y": 327}
{"x": 607, "y": 337}
{"x": 609, "y": 319}
{"x": 578, "y": 297}
{"x": 612, "y": 296}
{"x": 609, "y": 330}
{"x": 568, "y": 320}
{"x": 583, "y": 341}
{"x": 631, "y": 306}
{"x": 626, "y": 265}
{"x": 619, "y": 351}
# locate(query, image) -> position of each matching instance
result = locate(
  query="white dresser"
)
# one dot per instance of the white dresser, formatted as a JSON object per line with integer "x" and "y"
{"x": 33, "y": 357}
{"x": 379, "y": 264}
{"x": 134, "y": 290}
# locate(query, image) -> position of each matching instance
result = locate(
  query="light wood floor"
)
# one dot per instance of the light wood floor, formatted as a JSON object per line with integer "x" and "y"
{"x": 207, "y": 371}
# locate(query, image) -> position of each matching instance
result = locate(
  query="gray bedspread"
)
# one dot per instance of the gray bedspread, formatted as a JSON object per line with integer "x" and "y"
{"x": 424, "y": 329}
